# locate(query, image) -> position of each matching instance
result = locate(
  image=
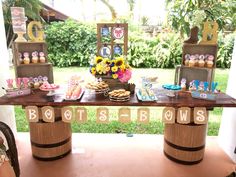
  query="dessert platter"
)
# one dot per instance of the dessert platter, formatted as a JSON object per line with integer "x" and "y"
{"x": 119, "y": 95}
{"x": 146, "y": 95}
{"x": 146, "y": 92}
{"x": 50, "y": 88}
{"x": 98, "y": 87}
{"x": 74, "y": 93}
{"x": 74, "y": 89}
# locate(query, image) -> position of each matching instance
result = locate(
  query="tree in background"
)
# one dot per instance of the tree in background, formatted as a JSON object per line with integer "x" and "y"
{"x": 181, "y": 13}
{"x": 131, "y": 7}
{"x": 111, "y": 8}
{"x": 32, "y": 11}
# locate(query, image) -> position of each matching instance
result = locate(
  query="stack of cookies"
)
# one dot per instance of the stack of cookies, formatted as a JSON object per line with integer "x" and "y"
{"x": 119, "y": 95}
{"x": 97, "y": 86}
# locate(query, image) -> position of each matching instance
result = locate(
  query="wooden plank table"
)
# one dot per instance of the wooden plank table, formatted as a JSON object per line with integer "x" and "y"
{"x": 39, "y": 98}
{"x": 51, "y": 141}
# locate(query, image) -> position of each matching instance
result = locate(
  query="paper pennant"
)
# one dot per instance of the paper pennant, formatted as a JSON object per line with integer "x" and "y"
{"x": 200, "y": 115}
{"x": 48, "y": 114}
{"x": 183, "y": 116}
{"x": 102, "y": 115}
{"x": 67, "y": 114}
{"x": 32, "y": 113}
{"x": 143, "y": 115}
{"x": 168, "y": 115}
{"x": 124, "y": 115}
{"x": 81, "y": 115}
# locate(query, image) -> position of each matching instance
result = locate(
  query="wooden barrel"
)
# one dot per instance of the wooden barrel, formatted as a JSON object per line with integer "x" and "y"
{"x": 185, "y": 143}
{"x": 50, "y": 141}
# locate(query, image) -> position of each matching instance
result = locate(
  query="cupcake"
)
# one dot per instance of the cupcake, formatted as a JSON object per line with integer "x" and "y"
{"x": 26, "y": 59}
{"x": 201, "y": 62}
{"x": 35, "y": 57}
{"x": 210, "y": 62}
{"x": 20, "y": 58}
{"x": 192, "y": 61}
{"x": 186, "y": 59}
{"x": 186, "y": 62}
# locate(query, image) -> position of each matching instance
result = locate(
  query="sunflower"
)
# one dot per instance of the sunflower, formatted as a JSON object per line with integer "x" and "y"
{"x": 107, "y": 61}
{"x": 114, "y": 76}
{"x": 93, "y": 70}
{"x": 101, "y": 68}
{"x": 114, "y": 69}
{"x": 119, "y": 61}
{"x": 98, "y": 59}
{"x": 107, "y": 68}
{"x": 123, "y": 67}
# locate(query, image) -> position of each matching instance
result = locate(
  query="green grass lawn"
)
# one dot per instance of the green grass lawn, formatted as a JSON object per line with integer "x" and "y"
{"x": 155, "y": 126}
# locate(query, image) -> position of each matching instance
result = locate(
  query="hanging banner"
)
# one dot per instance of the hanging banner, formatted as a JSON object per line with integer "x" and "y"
{"x": 48, "y": 114}
{"x": 67, "y": 114}
{"x": 32, "y": 113}
{"x": 200, "y": 115}
{"x": 183, "y": 116}
{"x": 168, "y": 115}
{"x": 81, "y": 115}
{"x": 102, "y": 115}
{"x": 143, "y": 115}
{"x": 124, "y": 115}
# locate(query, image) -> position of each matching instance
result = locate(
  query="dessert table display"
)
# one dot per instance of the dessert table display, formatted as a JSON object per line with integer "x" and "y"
{"x": 49, "y": 114}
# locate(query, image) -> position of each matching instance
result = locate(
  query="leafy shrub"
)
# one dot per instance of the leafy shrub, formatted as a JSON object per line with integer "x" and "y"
{"x": 163, "y": 51}
{"x": 225, "y": 51}
{"x": 70, "y": 43}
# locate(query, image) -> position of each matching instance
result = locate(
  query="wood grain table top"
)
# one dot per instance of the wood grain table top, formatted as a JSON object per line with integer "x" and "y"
{"x": 39, "y": 98}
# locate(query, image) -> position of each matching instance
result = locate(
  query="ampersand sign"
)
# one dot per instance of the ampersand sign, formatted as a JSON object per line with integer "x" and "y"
{"x": 209, "y": 34}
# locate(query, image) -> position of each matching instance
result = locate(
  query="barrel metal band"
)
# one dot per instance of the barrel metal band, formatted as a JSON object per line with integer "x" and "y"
{"x": 51, "y": 145}
{"x": 185, "y": 148}
{"x": 182, "y": 161}
{"x": 51, "y": 158}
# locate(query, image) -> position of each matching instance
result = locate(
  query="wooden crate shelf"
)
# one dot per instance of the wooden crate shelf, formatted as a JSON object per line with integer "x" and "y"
{"x": 201, "y": 49}
{"x": 196, "y": 72}
{"x": 31, "y": 69}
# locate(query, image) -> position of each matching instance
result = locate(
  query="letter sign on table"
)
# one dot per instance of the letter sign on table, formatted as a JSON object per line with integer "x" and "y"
{"x": 38, "y": 35}
{"x": 102, "y": 115}
{"x": 124, "y": 115}
{"x": 48, "y": 114}
{"x": 81, "y": 115}
{"x": 183, "y": 116}
{"x": 200, "y": 115}
{"x": 209, "y": 30}
{"x": 143, "y": 115}
{"x": 32, "y": 113}
{"x": 67, "y": 114}
{"x": 168, "y": 115}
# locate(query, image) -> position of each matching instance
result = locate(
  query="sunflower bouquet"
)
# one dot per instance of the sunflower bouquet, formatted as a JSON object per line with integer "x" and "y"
{"x": 117, "y": 68}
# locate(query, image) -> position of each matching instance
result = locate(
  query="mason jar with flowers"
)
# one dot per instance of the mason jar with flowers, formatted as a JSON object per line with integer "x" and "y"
{"x": 116, "y": 72}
